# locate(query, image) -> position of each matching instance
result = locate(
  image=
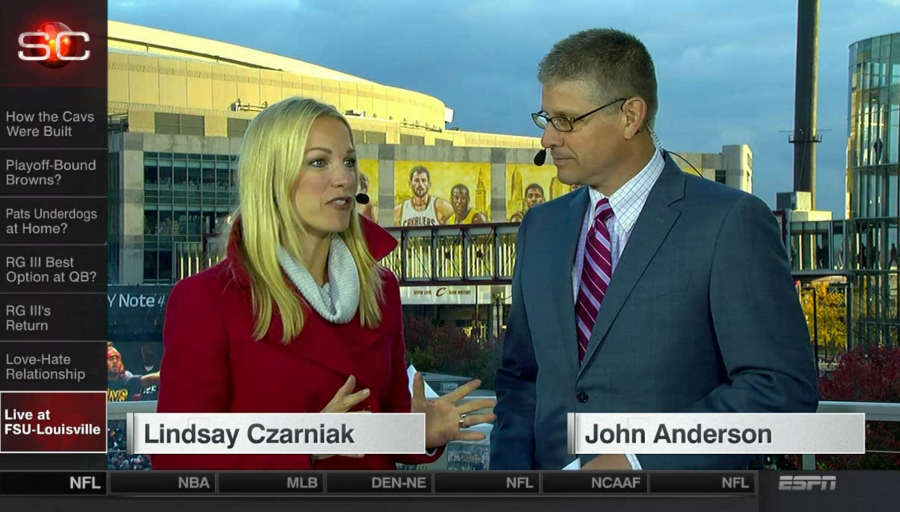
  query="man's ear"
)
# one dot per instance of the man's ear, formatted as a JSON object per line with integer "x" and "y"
{"x": 634, "y": 116}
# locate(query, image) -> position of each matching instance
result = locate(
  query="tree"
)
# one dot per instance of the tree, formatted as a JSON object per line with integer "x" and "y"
{"x": 832, "y": 314}
{"x": 865, "y": 374}
{"x": 444, "y": 349}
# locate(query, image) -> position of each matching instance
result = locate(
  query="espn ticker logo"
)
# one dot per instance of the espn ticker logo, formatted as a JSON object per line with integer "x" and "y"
{"x": 807, "y": 483}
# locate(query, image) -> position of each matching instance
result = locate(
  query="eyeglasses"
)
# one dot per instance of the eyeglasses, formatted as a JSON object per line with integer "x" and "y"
{"x": 565, "y": 123}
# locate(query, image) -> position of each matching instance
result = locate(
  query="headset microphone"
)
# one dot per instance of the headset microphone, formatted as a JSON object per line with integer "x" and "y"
{"x": 362, "y": 198}
{"x": 540, "y": 157}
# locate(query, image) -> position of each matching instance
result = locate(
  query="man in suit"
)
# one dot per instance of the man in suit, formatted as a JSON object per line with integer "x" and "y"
{"x": 648, "y": 289}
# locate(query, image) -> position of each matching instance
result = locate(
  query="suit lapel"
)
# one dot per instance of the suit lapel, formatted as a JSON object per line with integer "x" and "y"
{"x": 565, "y": 235}
{"x": 652, "y": 227}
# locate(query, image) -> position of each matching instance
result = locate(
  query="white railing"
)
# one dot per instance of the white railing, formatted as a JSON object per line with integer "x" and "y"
{"x": 874, "y": 411}
{"x": 118, "y": 410}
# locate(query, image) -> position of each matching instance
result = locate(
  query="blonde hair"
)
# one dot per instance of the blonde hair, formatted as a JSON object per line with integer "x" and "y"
{"x": 272, "y": 153}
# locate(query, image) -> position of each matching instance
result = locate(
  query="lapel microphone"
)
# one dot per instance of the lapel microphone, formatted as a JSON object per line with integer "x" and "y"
{"x": 362, "y": 198}
{"x": 540, "y": 157}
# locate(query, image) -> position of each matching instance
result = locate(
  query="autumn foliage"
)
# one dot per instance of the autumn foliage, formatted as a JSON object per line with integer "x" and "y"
{"x": 831, "y": 312}
{"x": 449, "y": 350}
{"x": 865, "y": 375}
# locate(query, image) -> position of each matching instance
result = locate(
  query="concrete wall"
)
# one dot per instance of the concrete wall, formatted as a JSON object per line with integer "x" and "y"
{"x": 735, "y": 160}
{"x": 738, "y": 162}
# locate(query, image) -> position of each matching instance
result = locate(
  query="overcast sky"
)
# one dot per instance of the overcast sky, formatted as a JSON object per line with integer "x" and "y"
{"x": 725, "y": 67}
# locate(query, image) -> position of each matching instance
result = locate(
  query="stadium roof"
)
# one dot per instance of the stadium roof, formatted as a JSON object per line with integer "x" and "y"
{"x": 136, "y": 39}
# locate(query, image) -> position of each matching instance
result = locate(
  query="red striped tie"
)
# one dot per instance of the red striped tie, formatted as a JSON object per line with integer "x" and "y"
{"x": 595, "y": 275}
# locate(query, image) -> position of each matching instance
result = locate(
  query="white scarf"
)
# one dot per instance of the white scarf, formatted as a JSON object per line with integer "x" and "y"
{"x": 336, "y": 301}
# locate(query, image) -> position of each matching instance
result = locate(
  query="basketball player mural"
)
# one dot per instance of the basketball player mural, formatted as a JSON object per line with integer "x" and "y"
{"x": 422, "y": 209}
{"x": 534, "y": 195}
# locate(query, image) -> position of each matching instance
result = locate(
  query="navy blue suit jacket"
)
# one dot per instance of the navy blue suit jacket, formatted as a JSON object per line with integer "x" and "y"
{"x": 701, "y": 315}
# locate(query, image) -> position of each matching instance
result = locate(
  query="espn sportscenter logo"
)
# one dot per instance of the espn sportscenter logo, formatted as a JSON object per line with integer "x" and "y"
{"x": 54, "y": 45}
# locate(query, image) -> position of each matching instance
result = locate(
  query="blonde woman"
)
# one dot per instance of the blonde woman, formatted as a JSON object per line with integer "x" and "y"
{"x": 300, "y": 317}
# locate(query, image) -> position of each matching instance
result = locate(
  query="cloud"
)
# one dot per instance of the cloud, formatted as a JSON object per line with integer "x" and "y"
{"x": 890, "y": 3}
{"x": 725, "y": 76}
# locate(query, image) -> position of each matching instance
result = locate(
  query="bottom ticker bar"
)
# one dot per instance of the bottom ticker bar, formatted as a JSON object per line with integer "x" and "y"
{"x": 271, "y": 482}
{"x": 375, "y": 482}
{"x": 579, "y": 482}
{"x": 478, "y": 482}
{"x": 422, "y": 483}
{"x": 162, "y": 482}
{"x": 708, "y": 482}
{"x": 71, "y": 483}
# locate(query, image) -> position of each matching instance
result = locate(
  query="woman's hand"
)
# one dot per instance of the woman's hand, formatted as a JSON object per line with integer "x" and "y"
{"x": 444, "y": 420}
{"x": 343, "y": 401}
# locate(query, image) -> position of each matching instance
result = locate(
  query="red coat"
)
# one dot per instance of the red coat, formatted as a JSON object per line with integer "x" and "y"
{"x": 212, "y": 364}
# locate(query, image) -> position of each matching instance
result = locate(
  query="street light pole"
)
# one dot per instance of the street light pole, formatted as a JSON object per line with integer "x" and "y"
{"x": 816, "y": 329}
{"x": 815, "y": 325}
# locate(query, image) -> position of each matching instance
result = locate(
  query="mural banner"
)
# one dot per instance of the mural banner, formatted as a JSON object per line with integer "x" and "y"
{"x": 530, "y": 185}
{"x": 368, "y": 184}
{"x": 438, "y": 193}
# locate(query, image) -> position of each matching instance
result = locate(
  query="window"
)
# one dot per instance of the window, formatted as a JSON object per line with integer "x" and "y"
{"x": 165, "y": 171}
{"x": 151, "y": 177}
{"x": 412, "y": 140}
{"x": 179, "y": 172}
{"x": 165, "y": 266}
{"x": 443, "y": 142}
{"x": 193, "y": 175}
{"x": 370, "y": 137}
{"x": 150, "y": 217}
{"x": 167, "y": 123}
{"x": 237, "y": 127}
{"x": 151, "y": 266}
{"x": 376, "y": 137}
{"x": 720, "y": 176}
{"x": 178, "y": 124}
{"x": 191, "y": 125}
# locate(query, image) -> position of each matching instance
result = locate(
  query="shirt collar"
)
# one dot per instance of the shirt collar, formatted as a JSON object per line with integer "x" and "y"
{"x": 628, "y": 201}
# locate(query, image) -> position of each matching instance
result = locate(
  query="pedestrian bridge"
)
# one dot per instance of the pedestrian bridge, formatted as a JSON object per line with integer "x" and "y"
{"x": 486, "y": 253}
{"x": 467, "y": 254}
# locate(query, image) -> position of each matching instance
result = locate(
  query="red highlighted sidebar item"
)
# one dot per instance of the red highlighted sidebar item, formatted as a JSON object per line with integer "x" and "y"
{"x": 53, "y": 422}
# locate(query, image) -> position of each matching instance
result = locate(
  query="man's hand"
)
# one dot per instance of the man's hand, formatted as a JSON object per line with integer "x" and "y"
{"x": 608, "y": 462}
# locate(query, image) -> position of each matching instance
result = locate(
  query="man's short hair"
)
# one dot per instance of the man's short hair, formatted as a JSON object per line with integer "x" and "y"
{"x": 613, "y": 64}
{"x": 419, "y": 170}
{"x": 460, "y": 186}
{"x": 535, "y": 186}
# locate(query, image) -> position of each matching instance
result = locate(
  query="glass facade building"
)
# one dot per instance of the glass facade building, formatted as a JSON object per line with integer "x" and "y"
{"x": 872, "y": 188}
{"x": 186, "y": 198}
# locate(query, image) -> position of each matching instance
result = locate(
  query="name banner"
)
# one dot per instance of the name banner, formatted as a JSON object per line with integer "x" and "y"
{"x": 715, "y": 433}
{"x": 244, "y": 433}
